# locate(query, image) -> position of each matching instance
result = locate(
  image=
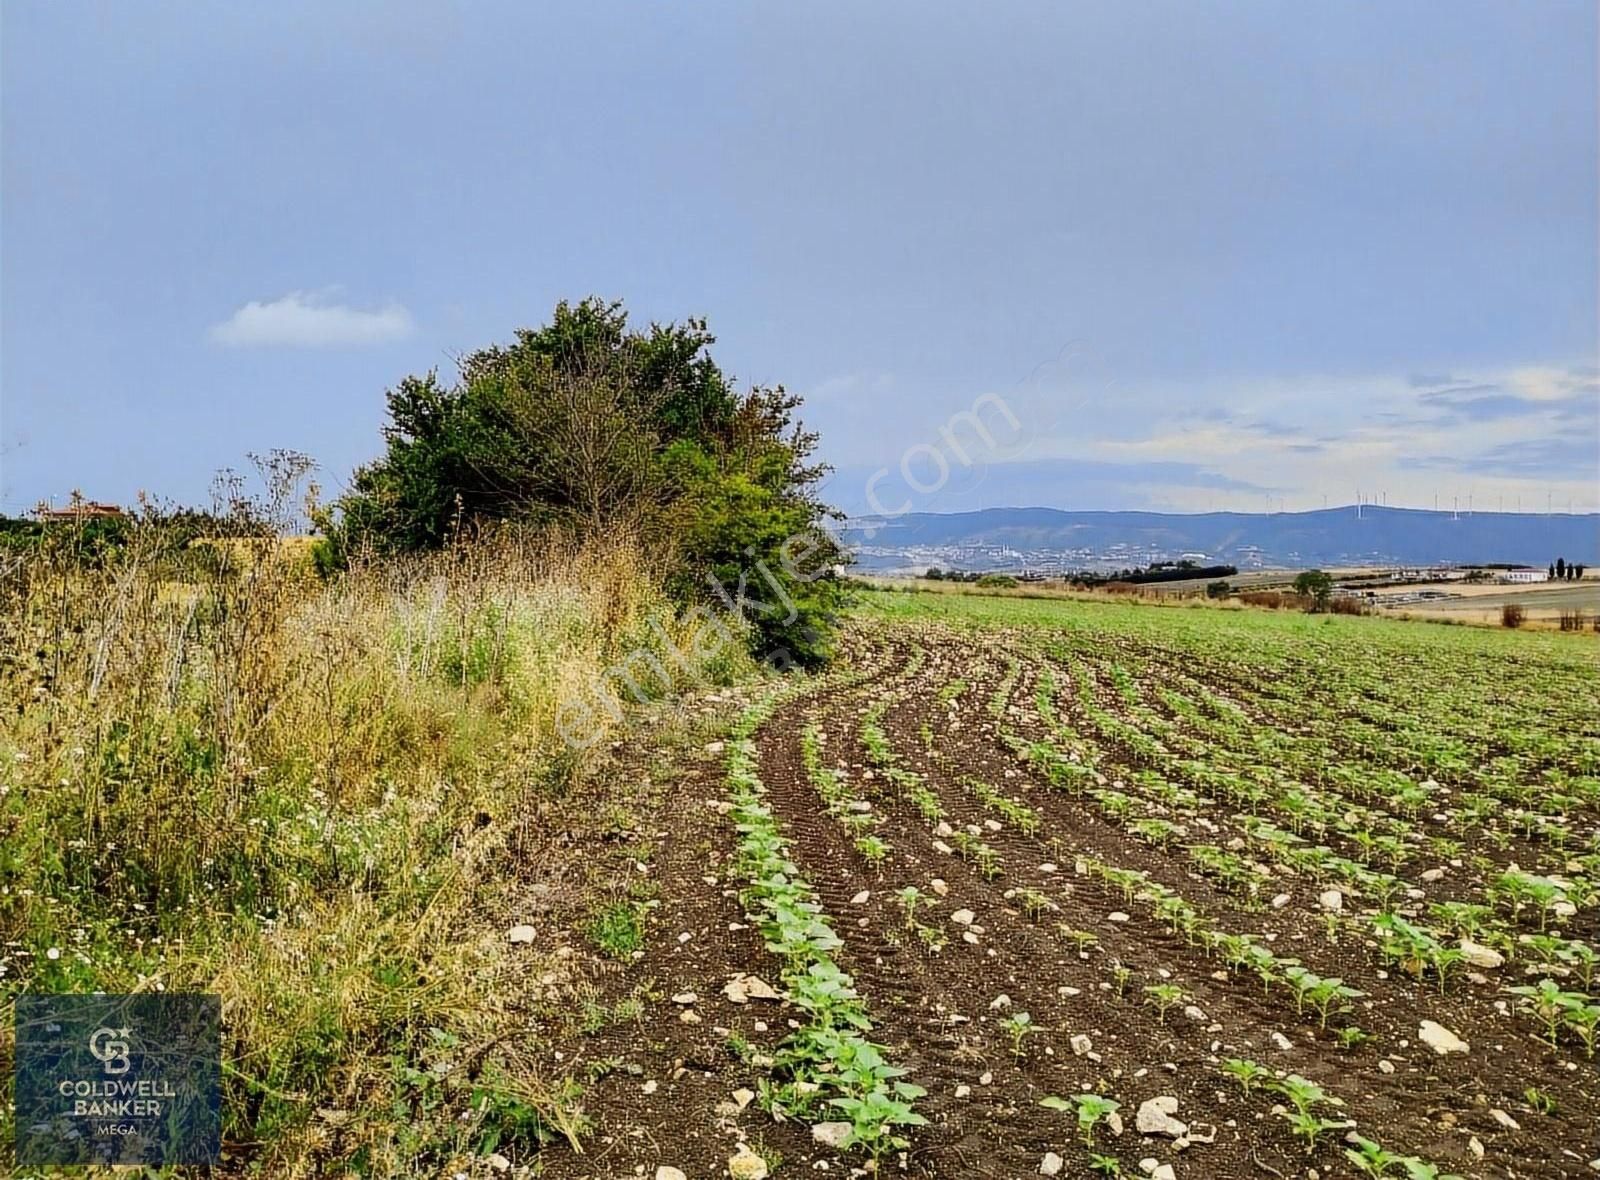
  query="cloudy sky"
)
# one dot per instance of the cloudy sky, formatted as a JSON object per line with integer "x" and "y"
{"x": 1215, "y": 255}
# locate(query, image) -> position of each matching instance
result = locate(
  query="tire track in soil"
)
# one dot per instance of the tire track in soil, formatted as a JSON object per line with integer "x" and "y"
{"x": 910, "y": 999}
{"x": 998, "y": 1130}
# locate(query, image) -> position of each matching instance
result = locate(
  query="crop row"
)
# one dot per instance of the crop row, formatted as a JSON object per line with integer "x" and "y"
{"x": 829, "y": 1060}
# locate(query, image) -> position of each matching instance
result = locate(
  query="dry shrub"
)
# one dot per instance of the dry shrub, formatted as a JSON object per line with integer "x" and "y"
{"x": 1512, "y": 615}
{"x": 227, "y": 776}
{"x": 1574, "y": 620}
{"x": 1345, "y": 605}
{"x": 1276, "y": 599}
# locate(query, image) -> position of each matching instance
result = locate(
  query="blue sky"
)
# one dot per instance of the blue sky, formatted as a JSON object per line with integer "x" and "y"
{"x": 1211, "y": 256}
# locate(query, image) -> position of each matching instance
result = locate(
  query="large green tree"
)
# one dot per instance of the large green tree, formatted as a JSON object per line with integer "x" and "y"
{"x": 593, "y": 425}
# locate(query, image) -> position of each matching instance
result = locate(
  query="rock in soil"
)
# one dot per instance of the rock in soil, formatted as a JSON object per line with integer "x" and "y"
{"x": 831, "y": 1134}
{"x": 1155, "y": 1117}
{"x": 1440, "y": 1039}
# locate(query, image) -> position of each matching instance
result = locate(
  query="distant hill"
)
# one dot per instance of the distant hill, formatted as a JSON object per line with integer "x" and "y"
{"x": 1327, "y": 537}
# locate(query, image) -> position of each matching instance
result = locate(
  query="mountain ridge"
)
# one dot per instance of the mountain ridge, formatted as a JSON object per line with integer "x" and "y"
{"x": 1327, "y": 536}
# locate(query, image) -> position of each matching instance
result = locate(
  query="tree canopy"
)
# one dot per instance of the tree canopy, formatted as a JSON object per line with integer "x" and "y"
{"x": 1317, "y": 584}
{"x": 592, "y": 425}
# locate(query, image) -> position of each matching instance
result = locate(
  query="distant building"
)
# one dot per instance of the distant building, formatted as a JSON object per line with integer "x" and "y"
{"x": 81, "y": 510}
{"x": 1525, "y": 573}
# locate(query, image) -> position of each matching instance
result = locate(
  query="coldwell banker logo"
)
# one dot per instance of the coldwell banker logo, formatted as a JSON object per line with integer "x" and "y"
{"x": 130, "y": 1079}
{"x": 113, "y": 1052}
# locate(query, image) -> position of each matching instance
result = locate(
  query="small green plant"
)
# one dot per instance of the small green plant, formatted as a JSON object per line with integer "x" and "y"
{"x": 1019, "y": 1027}
{"x": 875, "y": 1115}
{"x": 875, "y": 851}
{"x": 1303, "y": 1093}
{"x": 618, "y": 930}
{"x": 1548, "y": 1004}
{"x": 1246, "y": 1072}
{"x": 1540, "y": 1101}
{"x": 1312, "y": 1127}
{"x": 912, "y": 899}
{"x": 1089, "y": 1108}
{"x": 1584, "y": 1021}
{"x": 1370, "y": 1159}
{"x": 1106, "y": 1165}
{"x": 1164, "y": 996}
{"x": 1122, "y": 974}
{"x": 1352, "y": 1035}
{"x": 1034, "y": 903}
{"x": 1081, "y": 940}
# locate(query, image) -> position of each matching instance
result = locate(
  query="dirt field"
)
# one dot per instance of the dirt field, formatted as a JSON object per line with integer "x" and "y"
{"x": 1543, "y": 602}
{"x": 1110, "y": 817}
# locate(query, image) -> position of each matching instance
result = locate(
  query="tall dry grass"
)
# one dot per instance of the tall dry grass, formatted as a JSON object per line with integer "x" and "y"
{"x": 218, "y": 773}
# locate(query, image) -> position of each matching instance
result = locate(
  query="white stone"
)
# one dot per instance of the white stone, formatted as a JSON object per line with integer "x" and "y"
{"x": 1117, "y": 916}
{"x": 938, "y": 886}
{"x": 1155, "y": 1117}
{"x": 666, "y": 1173}
{"x": 1080, "y": 1045}
{"x": 499, "y": 1163}
{"x": 861, "y": 898}
{"x": 1482, "y": 956}
{"x": 747, "y": 1165}
{"x": 650, "y": 1086}
{"x": 1504, "y": 1119}
{"x": 685, "y": 998}
{"x": 1331, "y": 900}
{"x": 1280, "y": 901}
{"x": 831, "y": 1134}
{"x": 1051, "y": 1164}
{"x": 1440, "y": 1039}
{"x": 963, "y": 917}
{"x": 522, "y": 934}
{"x": 1433, "y": 875}
{"x": 744, "y": 1097}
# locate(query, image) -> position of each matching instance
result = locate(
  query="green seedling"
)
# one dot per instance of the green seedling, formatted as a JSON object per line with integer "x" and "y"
{"x": 1019, "y": 1027}
{"x": 1089, "y": 1108}
{"x": 1246, "y": 1072}
{"x": 1164, "y": 996}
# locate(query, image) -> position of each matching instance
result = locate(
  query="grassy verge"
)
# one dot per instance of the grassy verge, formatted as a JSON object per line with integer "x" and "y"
{"x": 220, "y": 774}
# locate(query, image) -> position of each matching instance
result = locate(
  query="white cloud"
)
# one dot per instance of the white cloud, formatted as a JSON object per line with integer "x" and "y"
{"x": 308, "y": 319}
{"x": 1306, "y": 437}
